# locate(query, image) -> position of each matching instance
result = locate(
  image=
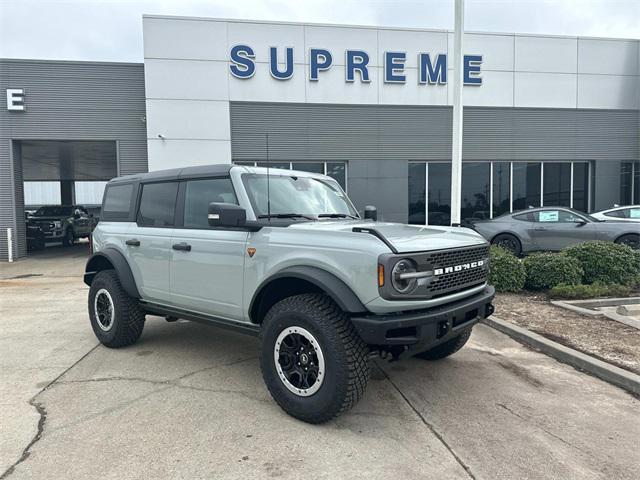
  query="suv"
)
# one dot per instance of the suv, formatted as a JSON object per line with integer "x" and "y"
{"x": 59, "y": 223}
{"x": 285, "y": 256}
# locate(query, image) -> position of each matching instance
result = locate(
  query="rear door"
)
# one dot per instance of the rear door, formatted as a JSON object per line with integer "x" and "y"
{"x": 148, "y": 240}
{"x": 207, "y": 263}
{"x": 555, "y": 229}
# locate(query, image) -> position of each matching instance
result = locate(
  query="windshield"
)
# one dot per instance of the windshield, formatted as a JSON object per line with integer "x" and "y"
{"x": 53, "y": 212}
{"x": 291, "y": 194}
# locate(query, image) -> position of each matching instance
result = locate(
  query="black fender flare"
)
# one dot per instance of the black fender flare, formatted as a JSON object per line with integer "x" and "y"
{"x": 119, "y": 263}
{"x": 335, "y": 288}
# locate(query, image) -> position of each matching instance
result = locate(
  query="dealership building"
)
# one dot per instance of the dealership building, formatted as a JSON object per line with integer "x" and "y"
{"x": 548, "y": 120}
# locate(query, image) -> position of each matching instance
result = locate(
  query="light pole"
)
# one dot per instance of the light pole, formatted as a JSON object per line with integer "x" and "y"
{"x": 456, "y": 140}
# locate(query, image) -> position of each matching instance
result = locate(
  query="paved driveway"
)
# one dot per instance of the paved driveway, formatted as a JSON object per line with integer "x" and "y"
{"x": 187, "y": 401}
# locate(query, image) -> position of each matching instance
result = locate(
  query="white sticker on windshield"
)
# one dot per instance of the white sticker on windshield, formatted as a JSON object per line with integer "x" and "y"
{"x": 551, "y": 216}
{"x": 634, "y": 213}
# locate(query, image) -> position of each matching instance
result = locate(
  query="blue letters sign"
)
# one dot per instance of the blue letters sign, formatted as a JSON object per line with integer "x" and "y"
{"x": 432, "y": 70}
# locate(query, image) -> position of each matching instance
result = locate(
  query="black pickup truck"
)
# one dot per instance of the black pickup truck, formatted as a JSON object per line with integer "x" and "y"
{"x": 58, "y": 223}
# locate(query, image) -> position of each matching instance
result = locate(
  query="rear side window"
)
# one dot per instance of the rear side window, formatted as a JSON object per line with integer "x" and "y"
{"x": 615, "y": 214}
{"x": 523, "y": 217}
{"x": 157, "y": 204}
{"x": 117, "y": 202}
{"x": 199, "y": 194}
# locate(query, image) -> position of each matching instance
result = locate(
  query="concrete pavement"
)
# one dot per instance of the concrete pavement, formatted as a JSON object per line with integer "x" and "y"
{"x": 188, "y": 401}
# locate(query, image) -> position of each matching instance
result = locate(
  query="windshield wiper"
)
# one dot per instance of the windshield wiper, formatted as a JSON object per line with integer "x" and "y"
{"x": 337, "y": 215}
{"x": 286, "y": 215}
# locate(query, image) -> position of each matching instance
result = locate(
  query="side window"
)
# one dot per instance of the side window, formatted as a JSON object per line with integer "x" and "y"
{"x": 632, "y": 213}
{"x": 568, "y": 217}
{"x": 117, "y": 202}
{"x": 199, "y": 194}
{"x": 547, "y": 216}
{"x": 523, "y": 217}
{"x": 157, "y": 204}
{"x": 615, "y": 214}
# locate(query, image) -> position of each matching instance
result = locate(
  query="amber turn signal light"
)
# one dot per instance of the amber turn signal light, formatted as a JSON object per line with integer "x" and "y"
{"x": 380, "y": 275}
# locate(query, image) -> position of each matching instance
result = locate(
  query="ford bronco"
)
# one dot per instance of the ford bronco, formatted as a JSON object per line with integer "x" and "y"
{"x": 285, "y": 256}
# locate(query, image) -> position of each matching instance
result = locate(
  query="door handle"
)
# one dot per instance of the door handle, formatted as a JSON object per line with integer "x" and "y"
{"x": 133, "y": 242}
{"x": 185, "y": 247}
{"x": 540, "y": 229}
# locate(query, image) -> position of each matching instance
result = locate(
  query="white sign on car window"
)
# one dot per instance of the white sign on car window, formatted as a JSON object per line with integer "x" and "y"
{"x": 634, "y": 213}
{"x": 551, "y": 216}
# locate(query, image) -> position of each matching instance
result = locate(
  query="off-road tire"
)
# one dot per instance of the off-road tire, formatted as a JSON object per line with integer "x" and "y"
{"x": 344, "y": 352}
{"x": 128, "y": 319}
{"x": 447, "y": 348}
{"x": 508, "y": 242}
{"x": 69, "y": 237}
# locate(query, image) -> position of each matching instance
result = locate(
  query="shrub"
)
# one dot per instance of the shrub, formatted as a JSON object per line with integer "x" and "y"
{"x": 589, "y": 291}
{"x": 507, "y": 272}
{"x": 606, "y": 262}
{"x": 546, "y": 270}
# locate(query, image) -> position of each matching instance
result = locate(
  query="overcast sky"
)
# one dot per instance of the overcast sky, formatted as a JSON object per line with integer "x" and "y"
{"x": 111, "y": 30}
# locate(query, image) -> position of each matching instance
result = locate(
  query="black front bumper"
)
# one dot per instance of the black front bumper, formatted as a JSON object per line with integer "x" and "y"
{"x": 423, "y": 329}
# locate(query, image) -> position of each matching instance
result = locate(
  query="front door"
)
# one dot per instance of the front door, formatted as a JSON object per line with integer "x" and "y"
{"x": 555, "y": 229}
{"x": 207, "y": 263}
{"x": 147, "y": 242}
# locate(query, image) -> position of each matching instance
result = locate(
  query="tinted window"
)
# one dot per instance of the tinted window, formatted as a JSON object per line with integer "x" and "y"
{"x": 117, "y": 199}
{"x": 199, "y": 194}
{"x": 439, "y": 194}
{"x": 526, "y": 185}
{"x": 53, "y": 212}
{"x": 580, "y": 186}
{"x": 417, "y": 187}
{"x": 557, "y": 184}
{"x": 158, "y": 204}
{"x": 615, "y": 214}
{"x": 524, "y": 217}
{"x": 501, "y": 182}
{"x": 336, "y": 170}
{"x": 476, "y": 185}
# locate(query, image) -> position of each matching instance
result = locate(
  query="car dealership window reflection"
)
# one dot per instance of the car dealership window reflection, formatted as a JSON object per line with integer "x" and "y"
{"x": 490, "y": 189}
{"x": 335, "y": 170}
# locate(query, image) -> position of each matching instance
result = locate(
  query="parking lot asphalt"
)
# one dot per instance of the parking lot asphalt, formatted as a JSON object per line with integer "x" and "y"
{"x": 188, "y": 401}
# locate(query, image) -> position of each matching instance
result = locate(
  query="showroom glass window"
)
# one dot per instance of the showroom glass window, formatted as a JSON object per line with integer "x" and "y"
{"x": 199, "y": 194}
{"x": 629, "y": 183}
{"x": 158, "y": 204}
{"x": 581, "y": 186}
{"x": 439, "y": 193}
{"x": 557, "y": 184}
{"x": 501, "y": 188}
{"x": 526, "y": 185}
{"x": 417, "y": 193}
{"x": 476, "y": 188}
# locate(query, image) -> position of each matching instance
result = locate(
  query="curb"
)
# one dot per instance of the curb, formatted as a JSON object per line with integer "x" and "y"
{"x": 609, "y": 373}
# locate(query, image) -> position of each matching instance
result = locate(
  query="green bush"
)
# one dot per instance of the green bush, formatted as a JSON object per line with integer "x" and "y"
{"x": 594, "y": 290}
{"x": 606, "y": 262}
{"x": 507, "y": 272}
{"x": 546, "y": 270}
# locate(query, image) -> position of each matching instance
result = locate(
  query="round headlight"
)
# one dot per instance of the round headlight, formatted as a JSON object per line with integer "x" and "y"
{"x": 403, "y": 285}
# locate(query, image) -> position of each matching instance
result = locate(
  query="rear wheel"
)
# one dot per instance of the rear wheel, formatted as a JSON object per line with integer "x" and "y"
{"x": 447, "y": 348}
{"x": 313, "y": 362}
{"x": 631, "y": 239}
{"x": 116, "y": 318}
{"x": 508, "y": 242}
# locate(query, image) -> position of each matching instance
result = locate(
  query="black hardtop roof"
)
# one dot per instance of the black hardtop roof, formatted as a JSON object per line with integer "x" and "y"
{"x": 177, "y": 173}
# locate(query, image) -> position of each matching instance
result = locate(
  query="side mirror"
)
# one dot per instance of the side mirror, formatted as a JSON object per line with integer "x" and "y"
{"x": 371, "y": 213}
{"x": 226, "y": 215}
{"x": 579, "y": 222}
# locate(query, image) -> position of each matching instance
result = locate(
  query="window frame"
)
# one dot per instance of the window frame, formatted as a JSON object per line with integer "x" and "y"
{"x": 139, "y": 201}
{"x": 105, "y": 216}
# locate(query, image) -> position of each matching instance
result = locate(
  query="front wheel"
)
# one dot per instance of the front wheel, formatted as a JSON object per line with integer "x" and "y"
{"x": 69, "y": 238}
{"x": 447, "y": 348}
{"x": 508, "y": 242}
{"x": 313, "y": 361}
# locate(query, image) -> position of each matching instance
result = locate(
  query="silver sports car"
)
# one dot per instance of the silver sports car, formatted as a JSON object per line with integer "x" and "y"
{"x": 553, "y": 228}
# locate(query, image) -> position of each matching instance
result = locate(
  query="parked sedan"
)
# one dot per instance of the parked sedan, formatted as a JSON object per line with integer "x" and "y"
{"x": 553, "y": 228}
{"x": 630, "y": 213}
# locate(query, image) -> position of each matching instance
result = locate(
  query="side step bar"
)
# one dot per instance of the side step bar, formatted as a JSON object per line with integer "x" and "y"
{"x": 164, "y": 311}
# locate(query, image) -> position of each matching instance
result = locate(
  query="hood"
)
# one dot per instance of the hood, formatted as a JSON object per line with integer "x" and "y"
{"x": 404, "y": 238}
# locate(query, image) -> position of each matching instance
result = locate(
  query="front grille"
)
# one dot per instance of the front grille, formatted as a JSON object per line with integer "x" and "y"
{"x": 452, "y": 282}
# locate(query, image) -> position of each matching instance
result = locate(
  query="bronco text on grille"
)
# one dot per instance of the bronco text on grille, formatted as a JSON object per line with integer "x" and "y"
{"x": 457, "y": 269}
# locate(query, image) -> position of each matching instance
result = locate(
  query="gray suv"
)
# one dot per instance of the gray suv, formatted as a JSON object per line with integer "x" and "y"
{"x": 283, "y": 255}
